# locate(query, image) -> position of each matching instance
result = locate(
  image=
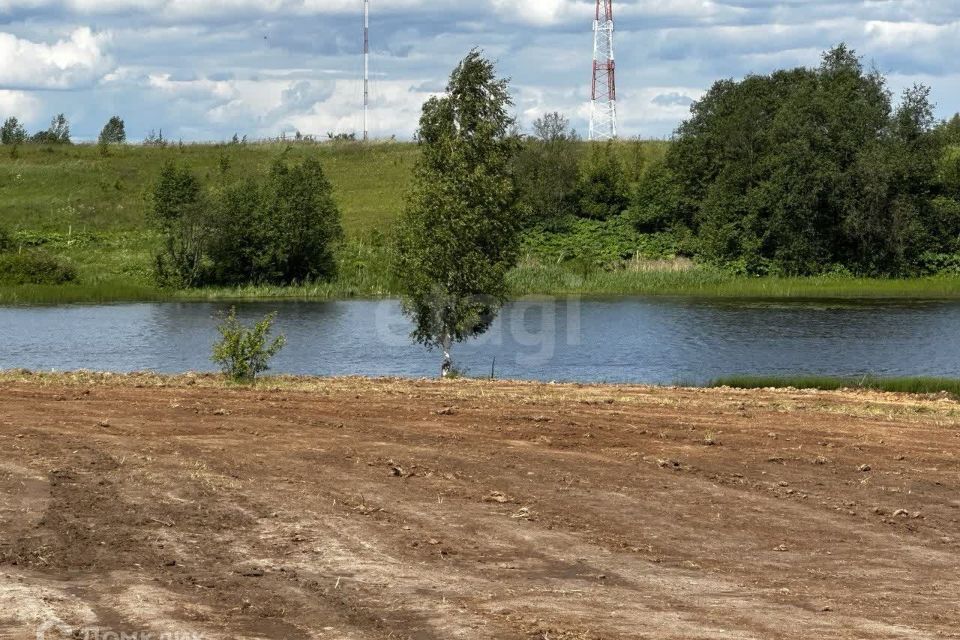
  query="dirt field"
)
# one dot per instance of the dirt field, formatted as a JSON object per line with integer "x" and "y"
{"x": 388, "y": 509}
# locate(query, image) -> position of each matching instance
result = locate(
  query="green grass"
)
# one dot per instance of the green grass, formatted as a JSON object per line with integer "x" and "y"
{"x": 705, "y": 282}
{"x": 918, "y": 385}
{"x": 73, "y": 188}
{"x": 91, "y": 210}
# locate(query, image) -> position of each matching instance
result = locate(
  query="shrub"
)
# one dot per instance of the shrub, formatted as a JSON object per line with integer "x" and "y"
{"x": 278, "y": 230}
{"x": 597, "y": 244}
{"x": 546, "y": 171}
{"x": 13, "y": 132}
{"x": 242, "y": 352}
{"x": 34, "y": 267}
{"x": 656, "y": 200}
{"x": 58, "y": 133}
{"x": 603, "y": 192}
{"x": 114, "y": 132}
{"x": 281, "y": 230}
{"x": 180, "y": 214}
{"x": 307, "y": 222}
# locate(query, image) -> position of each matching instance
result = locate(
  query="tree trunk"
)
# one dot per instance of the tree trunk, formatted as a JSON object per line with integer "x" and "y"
{"x": 447, "y": 367}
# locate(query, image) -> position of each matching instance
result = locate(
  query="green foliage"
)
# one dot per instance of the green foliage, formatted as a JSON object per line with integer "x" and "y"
{"x": 180, "y": 214}
{"x": 6, "y": 240}
{"x": 603, "y": 192}
{"x": 13, "y": 133}
{"x": 547, "y": 169}
{"x": 657, "y": 201}
{"x": 307, "y": 223}
{"x": 279, "y": 230}
{"x": 114, "y": 132}
{"x": 803, "y": 169}
{"x": 243, "y": 353}
{"x": 58, "y": 133}
{"x": 34, "y": 267}
{"x": 458, "y": 237}
{"x": 949, "y": 131}
{"x": 282, "y": 230}
{"x": 595, "y": 243}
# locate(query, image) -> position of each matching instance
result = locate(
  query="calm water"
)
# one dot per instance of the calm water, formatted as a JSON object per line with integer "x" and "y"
{"x": 638, "y": 340}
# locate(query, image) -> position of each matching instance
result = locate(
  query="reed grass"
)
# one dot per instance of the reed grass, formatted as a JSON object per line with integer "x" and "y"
{"x": 361, "y": 282}
{"x": 917, "y": 385}
{"x": 710, "y": 283}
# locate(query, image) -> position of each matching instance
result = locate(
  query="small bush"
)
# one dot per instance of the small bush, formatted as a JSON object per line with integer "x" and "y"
{"x": 242, "y": 352}
{"x": 34, "y": 267}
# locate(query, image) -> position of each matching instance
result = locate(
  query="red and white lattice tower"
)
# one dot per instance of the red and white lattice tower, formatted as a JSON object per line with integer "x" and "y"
{"x": 603, "y": 109}
{"x": 366, "y": 70}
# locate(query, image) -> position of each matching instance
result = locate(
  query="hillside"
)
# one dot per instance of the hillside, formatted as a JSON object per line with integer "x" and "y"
{"x": 92, "y": 210}
{"x": 50, "y": 189}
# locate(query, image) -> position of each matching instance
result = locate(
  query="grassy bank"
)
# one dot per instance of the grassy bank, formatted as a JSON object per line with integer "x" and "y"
{"x": 91, "y": 210}
{"x": 525, "y": 280}
{"x": 919, "y": 385}
{"x": 559, "y": 280}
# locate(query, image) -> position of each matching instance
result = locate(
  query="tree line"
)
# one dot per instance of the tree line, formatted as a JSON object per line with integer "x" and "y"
{"x": 14, "y": 133}
{"x": 811, "y": 171}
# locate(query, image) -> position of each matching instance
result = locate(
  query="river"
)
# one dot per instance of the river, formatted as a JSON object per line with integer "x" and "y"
{"x": 650, "y": 340}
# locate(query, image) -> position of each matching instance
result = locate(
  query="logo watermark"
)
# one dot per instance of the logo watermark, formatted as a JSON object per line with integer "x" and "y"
{"x": 57, "y": 630}
{"x": 533, "y": 329}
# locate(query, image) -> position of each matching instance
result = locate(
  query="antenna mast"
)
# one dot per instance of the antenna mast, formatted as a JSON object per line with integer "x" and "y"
{"x": 603, "y": 108}
{"x": 366, "y": 70}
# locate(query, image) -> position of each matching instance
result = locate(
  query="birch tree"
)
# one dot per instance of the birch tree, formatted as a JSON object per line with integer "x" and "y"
{"x": 459, "y": 234}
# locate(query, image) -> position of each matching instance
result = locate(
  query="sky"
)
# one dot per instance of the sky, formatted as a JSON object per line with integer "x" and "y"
{"x": 206, "y": 69}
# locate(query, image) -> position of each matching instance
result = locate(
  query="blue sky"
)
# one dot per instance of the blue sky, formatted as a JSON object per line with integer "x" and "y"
{"x": 205, "y": 69}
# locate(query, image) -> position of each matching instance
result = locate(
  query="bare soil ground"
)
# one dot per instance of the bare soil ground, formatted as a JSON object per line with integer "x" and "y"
{"x": 369, "y": 509}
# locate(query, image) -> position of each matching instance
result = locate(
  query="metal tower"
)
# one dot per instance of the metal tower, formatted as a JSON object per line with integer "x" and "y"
{"x": 366, "y": 70}
{"x": 603, "y": 109}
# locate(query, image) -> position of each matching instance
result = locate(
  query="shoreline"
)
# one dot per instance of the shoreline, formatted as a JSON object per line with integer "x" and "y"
{"x": 545, "y": 282}
{"x": 917, "y": 387}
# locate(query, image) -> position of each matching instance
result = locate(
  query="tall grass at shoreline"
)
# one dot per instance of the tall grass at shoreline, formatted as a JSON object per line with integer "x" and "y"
{"x": 710, "y": 283}
{"x": 360, "y": 280}
{"x": 917, "y": 385}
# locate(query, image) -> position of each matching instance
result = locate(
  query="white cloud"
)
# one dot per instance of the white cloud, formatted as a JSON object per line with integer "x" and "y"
{"x": 66, "y": 64}
{"x": 538, "y": 12}
{"x": 208, "y": 68}
{"x": 25, "y": 106}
